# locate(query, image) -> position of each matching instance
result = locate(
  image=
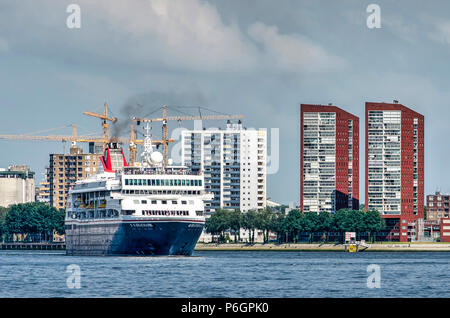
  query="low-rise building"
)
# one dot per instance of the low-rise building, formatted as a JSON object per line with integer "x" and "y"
{"x": 438, "y": 206}
{"x": 16, "y": 185}
{"x": 43, "y": 190}
{"x": 445, "y": 230}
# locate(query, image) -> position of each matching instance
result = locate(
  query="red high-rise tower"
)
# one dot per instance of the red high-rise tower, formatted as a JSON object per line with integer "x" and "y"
{"x": 329, "y": 159}
{"x": 395, "y": 167}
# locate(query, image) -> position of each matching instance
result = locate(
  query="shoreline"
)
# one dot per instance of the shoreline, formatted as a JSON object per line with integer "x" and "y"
{"x": 317, "y": 247}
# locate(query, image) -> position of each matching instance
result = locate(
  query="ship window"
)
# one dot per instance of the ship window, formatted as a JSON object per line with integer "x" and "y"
{"x": 183, "y": 182}
{"x": 166, "y": 183}
{"x": 140, "y": 182}
{"x": 153, "y": 201}
{"x": 183, "y": 202}
{"x": 174, "y": 202}
{"x": 199, "y": 213}
{"x": 196, "y": 182}
{"x": 135, "y": 181}
{"x": 126, "y": 181}
{"x": 144, "y": 201}
{"x": 153, "y": 182}
{"x": 164, "y": 202}
{"x": 136, "y": 201}
{"x": 144, "y": 182}
{"x": 200, "y": 183}
{"x": 192, "y": 182}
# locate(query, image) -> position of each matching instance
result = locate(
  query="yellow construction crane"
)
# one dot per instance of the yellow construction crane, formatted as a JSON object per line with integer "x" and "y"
{"x": 74, "y": 138}
{"x": 164, "y": 119}
{"x": 105, "y": 126}
{"x": 133, "y": 142}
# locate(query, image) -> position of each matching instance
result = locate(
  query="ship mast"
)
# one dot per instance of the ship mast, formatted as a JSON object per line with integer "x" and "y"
{"x": 148, "y": 146}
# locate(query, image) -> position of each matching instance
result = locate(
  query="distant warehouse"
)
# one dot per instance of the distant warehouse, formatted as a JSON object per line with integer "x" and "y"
{"x": 16, "y": 185}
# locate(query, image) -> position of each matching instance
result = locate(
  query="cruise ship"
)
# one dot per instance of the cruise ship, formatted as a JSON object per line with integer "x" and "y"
{"x": 144, "y": 209}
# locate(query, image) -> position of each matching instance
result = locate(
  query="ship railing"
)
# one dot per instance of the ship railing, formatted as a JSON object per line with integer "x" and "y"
{"x": 149, "y": 171}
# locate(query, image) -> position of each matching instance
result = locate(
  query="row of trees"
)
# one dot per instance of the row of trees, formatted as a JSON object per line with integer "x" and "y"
{"x": 32, "y": 221}
{"x": 289, "y": 227}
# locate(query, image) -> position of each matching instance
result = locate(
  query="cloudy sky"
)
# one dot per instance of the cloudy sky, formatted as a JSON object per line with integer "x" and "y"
{"x": 259, "y": 58}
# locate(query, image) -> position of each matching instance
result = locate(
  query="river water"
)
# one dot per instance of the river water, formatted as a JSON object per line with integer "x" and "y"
{"x": 227, "y": 274}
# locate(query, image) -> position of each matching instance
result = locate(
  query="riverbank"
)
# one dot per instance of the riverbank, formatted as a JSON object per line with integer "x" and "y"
{"x": 315, "y": 247}
{"x": 33, "y": 246}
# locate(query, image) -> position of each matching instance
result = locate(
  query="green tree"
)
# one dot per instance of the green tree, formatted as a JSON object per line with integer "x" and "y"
{"x": 34, "y": 218}
{"x": 325, "y": 223}
{"x": 3, "y": 213}
{"x": 249, "y": 223}
{"x": 234, "y": 219}
{"x": 310, "y": 223}
{"x": 217, "y": 223}
{"x": 355, "y": 221}
{"x": 263, "y": 220}
{"x": 293, "y": 223}
{"x": 277, "y": 225}
{"x": 373, "y": 222}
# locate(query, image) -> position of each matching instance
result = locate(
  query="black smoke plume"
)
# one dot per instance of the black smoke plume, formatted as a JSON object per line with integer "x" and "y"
{"x": 149, "y": 105}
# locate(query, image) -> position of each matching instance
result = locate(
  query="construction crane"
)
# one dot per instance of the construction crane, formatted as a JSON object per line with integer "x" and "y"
{"x": 164, "y": 119}
{"x": 105, "y": 126}
{"x": 74, "y": 138}
{"x": 133, "y": 142}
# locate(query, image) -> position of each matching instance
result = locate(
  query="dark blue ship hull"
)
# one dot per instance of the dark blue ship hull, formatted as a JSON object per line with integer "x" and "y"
{"x": 133, "y": 238}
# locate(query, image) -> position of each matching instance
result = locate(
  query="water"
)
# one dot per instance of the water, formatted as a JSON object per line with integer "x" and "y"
{"x": 227, "y": 274}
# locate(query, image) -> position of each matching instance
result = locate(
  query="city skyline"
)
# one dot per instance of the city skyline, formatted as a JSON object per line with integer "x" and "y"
{"x": 260, "y": 62}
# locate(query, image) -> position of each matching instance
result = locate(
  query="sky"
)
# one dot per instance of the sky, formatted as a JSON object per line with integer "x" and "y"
{"x": 261, "y": 59}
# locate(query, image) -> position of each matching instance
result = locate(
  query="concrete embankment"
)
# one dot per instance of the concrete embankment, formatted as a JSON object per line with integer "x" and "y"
{"x": 376, "y": 247}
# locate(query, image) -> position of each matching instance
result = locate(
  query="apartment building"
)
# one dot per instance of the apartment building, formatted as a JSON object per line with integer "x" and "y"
{"x": 438, "y": 206}
{"x": 395, "y": 167}
{"x": 43, "y": 190}
{"x": 65, "y": 169}
{"x": 329, "y": 159}
{"x": 233, "y": 161}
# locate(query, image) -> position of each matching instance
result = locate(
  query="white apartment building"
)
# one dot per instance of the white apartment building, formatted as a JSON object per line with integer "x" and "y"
{"x": 233, "y": 161}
